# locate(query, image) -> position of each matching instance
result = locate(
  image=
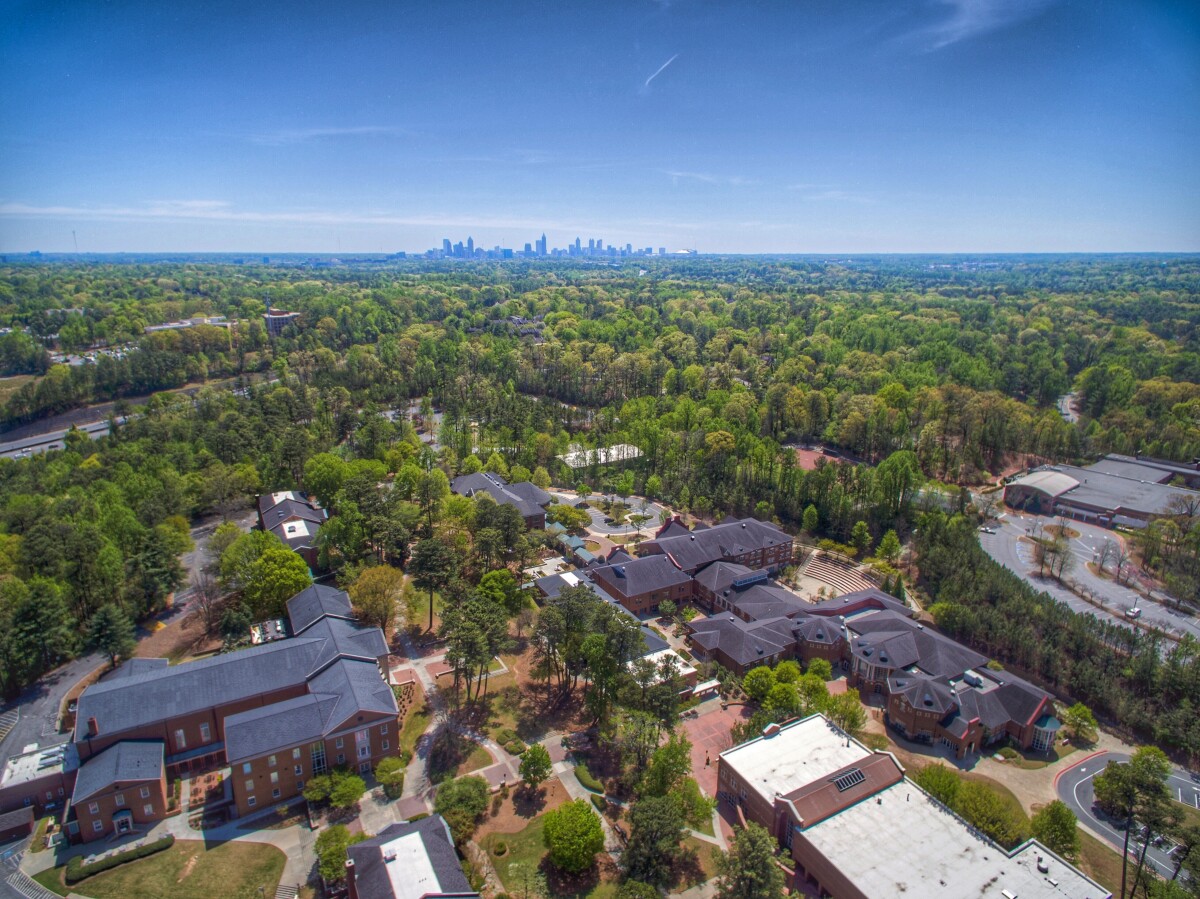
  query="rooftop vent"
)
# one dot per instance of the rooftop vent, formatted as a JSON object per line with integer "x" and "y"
{"x": 770, "y": 730}
{"x": 389, "y": 854}
{"x": 851, "y": 778}
{"x": 1042, "y": 866}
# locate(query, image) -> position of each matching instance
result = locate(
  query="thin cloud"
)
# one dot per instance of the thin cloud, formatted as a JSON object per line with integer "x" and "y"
{"x": 705, "y": 178}
{"x": 967, "y": 19}
{"x": 659, "y": 71}
{"x": 824, "y": 193}
{"x": 310, "y": 135}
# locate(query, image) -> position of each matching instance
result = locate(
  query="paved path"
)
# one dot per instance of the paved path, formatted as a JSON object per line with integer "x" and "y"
{"x": 37, "y": 708}
{"x": 1076, "y": 788}
{"x": 636, "y": 504}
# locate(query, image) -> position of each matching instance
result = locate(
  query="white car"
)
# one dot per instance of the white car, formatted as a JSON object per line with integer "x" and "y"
{"x": 1135, "y": 612}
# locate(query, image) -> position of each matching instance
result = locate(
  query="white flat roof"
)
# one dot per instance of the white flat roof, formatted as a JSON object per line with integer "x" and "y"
{"x": 620, "y": 452}
{"x": 900, "y": 842}
{"x": 682, "y": 667}
{"x": 297, "y": 528}
{"x": 409, "y": 868}
{"x": 796, "y": 756}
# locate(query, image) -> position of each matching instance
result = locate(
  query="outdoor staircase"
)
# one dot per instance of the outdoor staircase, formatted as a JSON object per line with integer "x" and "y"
{"x": 28, "y": 887}
{"x": 287, "y": 892}
{"x": 841, "y": 576}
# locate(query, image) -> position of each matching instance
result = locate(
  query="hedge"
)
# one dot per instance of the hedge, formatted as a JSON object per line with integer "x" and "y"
{"x": 585, "y": 778}
{"x": 600, "y": 802}
{"x": 77, "y": 870}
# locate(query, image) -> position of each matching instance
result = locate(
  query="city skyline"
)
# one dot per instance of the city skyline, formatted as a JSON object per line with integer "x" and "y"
{"x": 855, "y": 127}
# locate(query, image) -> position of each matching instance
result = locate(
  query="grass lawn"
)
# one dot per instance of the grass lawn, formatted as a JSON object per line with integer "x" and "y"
{"x": 1031, "y": 761}
{"x": 524, "y": 856}
{"x": 706, "y": 827}
{"x": 1099, "y": 861}
{"x": 414, "y": 725}
{"x": 706, "y": 864}
{"x": 185, "y": 871}
{"x": 479, "y": 758}
{"x": 9, "y": 386}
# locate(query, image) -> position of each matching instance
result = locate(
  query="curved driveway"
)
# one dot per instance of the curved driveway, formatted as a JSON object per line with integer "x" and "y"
{"x": 636, "y": 504}
{"x": 1075, "y": 788}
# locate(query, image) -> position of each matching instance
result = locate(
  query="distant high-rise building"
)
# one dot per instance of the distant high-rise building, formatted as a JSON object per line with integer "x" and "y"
{"x": 662, "y": 251}
{"x": 446, "y": 246}
{"x": 541, "y": 245}
{"x": 578, "y": 245}
{"x": 470, "y": 246}
{"x": 591, "y": 245}
{"x": 599, "y": 245}
{"x": 528, "y": 249}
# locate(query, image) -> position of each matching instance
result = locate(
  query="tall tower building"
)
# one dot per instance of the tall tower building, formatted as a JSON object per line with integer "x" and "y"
{"x": 541, "y": 245}
{"x": 470, "y": 246}
{"x": 446, "y": 246}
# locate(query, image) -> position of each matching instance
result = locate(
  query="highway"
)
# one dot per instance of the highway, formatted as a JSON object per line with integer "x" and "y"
{"x": 1075, "y": 788}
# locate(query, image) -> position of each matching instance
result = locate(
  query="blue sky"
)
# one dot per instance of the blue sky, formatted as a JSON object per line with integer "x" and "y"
{"x": 787, "y": 126}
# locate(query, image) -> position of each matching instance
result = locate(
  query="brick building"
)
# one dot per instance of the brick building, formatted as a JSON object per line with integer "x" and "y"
{"x": 748, "y": 542}
{"x": 295, "y": 520}
{"x": 528, "y": 498}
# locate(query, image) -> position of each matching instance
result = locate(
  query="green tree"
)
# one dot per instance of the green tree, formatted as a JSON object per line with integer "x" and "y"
{"x": 536, "y": 767}
{"x": 748, "y": 870}
{"x": 501, "y": 588}
{"x": 1055, "y": 826}
{"x": 635, "y": 889}
{"x": 573, "y": 835}
{"x": 390, "y": 773}
{"x": 787, "y": 672}
{"x": 433, "y": 566}
{"x": 1081, "y": 723}
{"x": 860, "y": 538}
{"x": 277, "y": 575}
{"x": 375, "y": 594}
{"x": 846, "y": 711}
{"x": 758, "y": 682}
{"x": 940, "y": 782}
{"x": 331, "y": 846}
{"x": 669, "y": 765}
{"x": 346, "y": 791}
{"x": 462, "y": 802}
{"x": 1136, "y": 792}
{"x": 811, "y": 520}
{"x": 821, "y": 668}
{"x": 541, "y": 477}
{"x": 655, "y": 831}
{"x": 111, "y": 631}
{"x": 889, "y": 547}
{"x": 324, "y": 475}
{"x": 783, "y": 702}
{"x": 983, "y": 808}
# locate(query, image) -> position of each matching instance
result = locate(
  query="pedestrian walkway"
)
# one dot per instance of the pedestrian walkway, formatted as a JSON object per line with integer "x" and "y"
{"x": 28, "y": 887}
{"x": 287, "y": 892}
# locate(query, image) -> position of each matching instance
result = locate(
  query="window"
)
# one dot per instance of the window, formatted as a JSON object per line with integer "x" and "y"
{"x": 338, "y": 743}
{"x": 317, "y": 752}
{"x": 119, "y": 799}
{"x": 245, "y": 767}
{"x": 299, "y": 770}
{"x": 274, "y": 777}
{"x": 49, "y": 795}
{"x": 147, "y": 809}
{"x": 383, "y": 729}
{"x": 205, "y": 733}
{"x": 341, "y": 758}
{"x": 296, "y": 753}
{"x": 271, "y": 761}
{"x": 94, "y": 808}
{"x": 275, "y": 793}
{"x": 251, "y": 802}
{"x": 384, "y": 746}
{"x": 299, "y": 785}
{"x": 97, "y": 826}
{"x": 144, "y": 792}
{"x": 180, "y": 739}
{"x": 250, "y": 786}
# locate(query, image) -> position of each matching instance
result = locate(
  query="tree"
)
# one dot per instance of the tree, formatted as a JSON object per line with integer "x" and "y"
{"x": 1055, "y": 826}
{"x": 1136, "y": 792}
{"x": 324, "y": 475}
{"x": 821, "y": 668}
{"x": 276, "y": 576}
{"x": 940, "y": 782}
{"x": 667, "y": 609}
{"x": 568, "y": 516}
{"x": 501, "y": 588}
{"x": 758, "y": 682}
{"x": 462, "y": 801}
{"x": 111, "y": 632}
{"x": 1081, "y": 723}
{"x": 748, "y": 870}
{"x": 541, "y": 477}
{"x": 669, "y": 765}
{"x": 860, "y": 537}
{"x": 889, "y": 547}
{"x": 635, "y": 889}
{"x": 983, "y": 808}
{"x": 235, "y": 622}
{"x": 390, "y": 773}
{"x": 846, "y": 711}
{"x": 811, "y": 520}
{"x": 655, "y": 829}
{"x": 787, "y": 672}
{"x": 331, "y": 846}
{"x": 536, "y": 767}
{"x": 347, "y": 791}
{"x": 783, "y": 702}
{"x": 374, "y": 594}
{"x": 432, "y": 566}
{"x": 573, "y": 835}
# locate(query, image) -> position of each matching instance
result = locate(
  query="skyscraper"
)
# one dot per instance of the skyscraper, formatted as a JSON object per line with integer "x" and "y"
{"x": 541, "y": 245}
{"x": 470, "y": 246}
{"x": 446, "y": 246}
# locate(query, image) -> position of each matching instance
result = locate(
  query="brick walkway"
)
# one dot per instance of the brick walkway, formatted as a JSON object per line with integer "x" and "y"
{"x": 710, "y": 737}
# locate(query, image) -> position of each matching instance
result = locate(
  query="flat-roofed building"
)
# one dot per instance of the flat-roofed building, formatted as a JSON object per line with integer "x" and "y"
{"x": 410, "y": 860}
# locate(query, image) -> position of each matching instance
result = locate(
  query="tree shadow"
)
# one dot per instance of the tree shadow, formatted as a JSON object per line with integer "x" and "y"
{"x": 569, "y": 886}
{"x": 528, "y": 802}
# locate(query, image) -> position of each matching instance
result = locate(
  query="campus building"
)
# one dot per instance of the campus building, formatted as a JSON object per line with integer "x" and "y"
{"x": 528, "y": 498}
{"x": 272, "y": 716}
{"x": 745, "y": 541}
{"x": 295, "y": 520}
{"x": 410, "y": 860}
{"x": 826, "y": 797}
{"x": 933, "y": 689}
{"x": 278, "y": 319}
{"x": 1126, "y": 491}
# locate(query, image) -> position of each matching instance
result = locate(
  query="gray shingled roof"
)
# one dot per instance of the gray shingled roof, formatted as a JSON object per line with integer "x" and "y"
{"x": 527, "y": 497}
{"x": 719, "y": 576}
{"x": 127, "y": 761}
{"x": 358, "y": 686}
{"x": 138, "y": 666}
{"x": 311, "y": 603}
{"x": 642, "y": 575}
{"x": 745, "y": 642}
{"x": 280, "y": 725}
{"x": 371, "y": 878}
{"x": 767, "y": 601}
{"x": 932, "y": 652}
{"x": 726, "y": 540}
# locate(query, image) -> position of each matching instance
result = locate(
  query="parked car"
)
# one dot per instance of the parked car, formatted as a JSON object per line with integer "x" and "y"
{"x": 1133, "y": 613}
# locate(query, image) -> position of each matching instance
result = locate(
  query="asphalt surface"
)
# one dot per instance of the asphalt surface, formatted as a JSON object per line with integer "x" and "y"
{"x": 1066, "y": 408}
{"x": 636, "y": 505}
{"x": 1005, "y": 547}
{"x": 38, "y": 706}
{"x": 1075, "y": 788}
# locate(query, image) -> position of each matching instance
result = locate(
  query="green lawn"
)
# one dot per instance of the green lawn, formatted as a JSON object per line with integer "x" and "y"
{"x": 414, "y": 725}
{"x": 185, "y": 871}
{"x": 524, "y": 854}
{"x": 1099, "y": 861}
{"x": 479, "y": 758}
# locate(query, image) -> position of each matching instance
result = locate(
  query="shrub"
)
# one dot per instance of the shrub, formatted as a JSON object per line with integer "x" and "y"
{"x": 515, "y": 747}
{"x": 500, "y": 849}
{"x": 599, "y": 802}
{"x": 877, "y": 742}
{"x": 589, "y": 782}
{"x": 390, "y": 773}
{"x": 1007, "y": 752}
{"x": 331, "y": 847}
{"x": 77, "y": 870}
{"x": 462, "y": 801}
{"x": 574, "y": 836}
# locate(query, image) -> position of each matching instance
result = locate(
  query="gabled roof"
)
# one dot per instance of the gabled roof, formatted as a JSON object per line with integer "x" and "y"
{"x": 409, "y": 861}
{"x": 857, "y": 601}
{"x": 767, "y": 601}
{"x": 129, "y": 761}
{"x": 527, "y": 497}
{"x": 316, "y": 601}
{"x": 907, "y": 642}
{"x": 345, "y": 640}
{"x": 924, "y": 694}
{"x": 291, "y": 508}
{"x": 639, "y": 576}
{"x": 130, "y": 667}
{"x": 727, "y": 540}
{"x": 358, "y": 686}
{"x": 745, "y": 642}
{"x": 720, "y": 576}
{"x": 840, "y": 789}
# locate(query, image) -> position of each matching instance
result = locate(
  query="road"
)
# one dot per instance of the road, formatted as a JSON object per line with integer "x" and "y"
{"x": 636, "y": 504}
{"x": 38, "y": 705}
{"x": 1067, "y": 408}
{"x": 1075, "y": 788}
{"x": 1005, "y": 547}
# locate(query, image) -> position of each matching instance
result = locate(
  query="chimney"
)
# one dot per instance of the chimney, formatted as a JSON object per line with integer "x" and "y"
{"x": 93, "y": 727}
{"x": 351, "y": 887}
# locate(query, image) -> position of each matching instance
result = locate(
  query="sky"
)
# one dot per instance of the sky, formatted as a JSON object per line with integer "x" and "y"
{"x": 790, "y": 126}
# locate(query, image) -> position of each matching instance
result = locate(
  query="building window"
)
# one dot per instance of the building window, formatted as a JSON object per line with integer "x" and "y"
{"x": 341, "y": 758}
{"x": 296, "y": 753}
{"x": 119, "y": 799}
{"x": 338, "y": 743}
{"x": 384, "y": 746}
{"x": 251, "y": 802}
{"x": 245, "y": 767}
{"x": 274, "y": 777}
{"x": 298, "y": 770}
{"x": 299, "y": 785}
{"x": 275, "y": 793}
{"x": 144, "y": 792}
{"x": 383, "y": 729}
{"x": 317, "y": 752}
{"x": 94, "y": 808}
{"x": 205, "y": 733}
{"x": 180, "y": 739}
{"x": 271, "y": 760}
{"x": 250, "y": 786}
{"x": 147, "y": 809}
{"x": 97, "y": 826}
